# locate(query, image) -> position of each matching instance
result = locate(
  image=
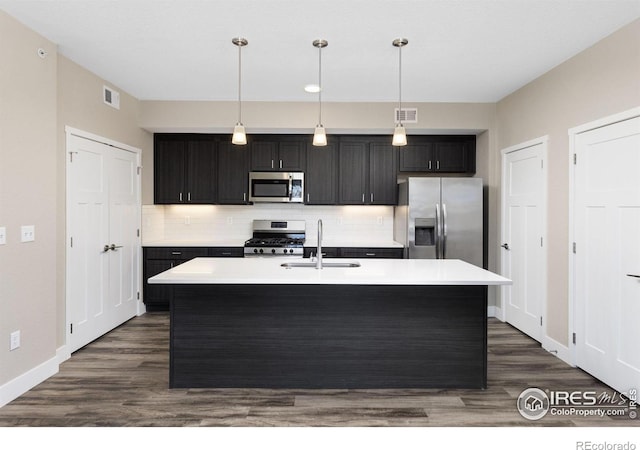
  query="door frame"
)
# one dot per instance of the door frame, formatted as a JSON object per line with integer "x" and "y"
{"x": 543, "y": 141}
{"x": 573, "y": 132}
{"x": 64, "y": 354}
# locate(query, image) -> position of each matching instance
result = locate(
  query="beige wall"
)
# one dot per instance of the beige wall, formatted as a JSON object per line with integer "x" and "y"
{"x": 80, "y": 106}
{"x": 27, "y": 197}
{"x": 601, "y": 81}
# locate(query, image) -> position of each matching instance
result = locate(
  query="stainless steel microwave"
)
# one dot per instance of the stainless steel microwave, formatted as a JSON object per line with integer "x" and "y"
{"x": 276, "y": 187}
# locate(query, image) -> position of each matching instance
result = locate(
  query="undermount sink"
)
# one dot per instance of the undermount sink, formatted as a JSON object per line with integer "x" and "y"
{"x": 290, "y": 265}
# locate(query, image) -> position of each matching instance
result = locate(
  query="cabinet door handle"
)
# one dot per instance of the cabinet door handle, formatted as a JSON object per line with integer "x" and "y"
{"x": 307, "y": 197}
{"x": 437, "y": 165}
{"x": 369, "y": 254}
{"x": 363, "y": 197}
{"x": 176, "y": 253}
{"x": 372, "y": 197}
{"x": 180, "y": 196}
{"x": 281, "y": 164}
{"x": 272, "y": 163}
{"x": 188, "y": 196}
{"x": 429, "y": 165}
{"x": 244, "y": 196}
{"x": 226, "y": 253}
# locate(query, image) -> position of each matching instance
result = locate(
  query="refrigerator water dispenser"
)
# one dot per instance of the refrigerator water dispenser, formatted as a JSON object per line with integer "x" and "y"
{"x": 425, "y": 232}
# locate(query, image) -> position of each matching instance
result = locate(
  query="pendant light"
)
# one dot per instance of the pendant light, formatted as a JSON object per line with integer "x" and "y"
{"x": 320, "y": 135}
{"x": 399, "y": 134}
{"x": 239, "y": 134}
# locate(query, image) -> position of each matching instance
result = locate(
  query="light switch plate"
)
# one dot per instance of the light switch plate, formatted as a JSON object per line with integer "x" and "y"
{"x": 3, "y": 235}
{"x": 27, "y": 233}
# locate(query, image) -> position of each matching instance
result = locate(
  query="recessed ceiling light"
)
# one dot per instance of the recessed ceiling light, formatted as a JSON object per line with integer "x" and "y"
{"x": 312, "y": 88}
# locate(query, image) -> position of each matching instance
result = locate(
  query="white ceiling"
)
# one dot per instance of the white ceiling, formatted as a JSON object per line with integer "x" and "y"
{"x": 459, "y": 51}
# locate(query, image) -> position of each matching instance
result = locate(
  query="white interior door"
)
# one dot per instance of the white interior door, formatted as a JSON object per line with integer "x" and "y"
{"x": 102, "y": 209}
{"x": 523, "y": 259}
{"x": 607, "y": 253}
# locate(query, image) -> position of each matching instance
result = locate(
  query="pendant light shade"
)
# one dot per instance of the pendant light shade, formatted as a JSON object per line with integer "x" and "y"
{"x": 320, "y": 135}
{"x": 239, "y": 134}
{"x": 399, "y": 134}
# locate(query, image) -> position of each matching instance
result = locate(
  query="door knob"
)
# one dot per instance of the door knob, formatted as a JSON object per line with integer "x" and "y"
{"x": 505, "y": 246}
{"x": 114, "y": 247}
{"x": 105, "y": 248}
{"x": 633, "y": 275}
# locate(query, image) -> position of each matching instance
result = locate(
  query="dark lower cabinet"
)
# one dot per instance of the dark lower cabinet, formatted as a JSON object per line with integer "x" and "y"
{"x": 356, "y": 252}
{"x": 359, "y": 252}
{"x": 158, "y": 259}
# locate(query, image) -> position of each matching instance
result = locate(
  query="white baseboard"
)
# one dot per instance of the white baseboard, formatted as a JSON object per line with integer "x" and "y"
{"x": 28, "y": 380}
{"x": 62, "y": 354}
{"x": 556, "y": 348}
{"x": 494, "y": 311}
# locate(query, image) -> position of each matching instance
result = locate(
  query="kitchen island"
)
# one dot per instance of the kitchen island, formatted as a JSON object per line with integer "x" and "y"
{"x": 251, "y": 323}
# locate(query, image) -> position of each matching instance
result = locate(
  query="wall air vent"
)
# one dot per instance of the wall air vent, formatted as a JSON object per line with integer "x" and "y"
{"x": 111, "y": 97}
{"x": 407, "y": 115}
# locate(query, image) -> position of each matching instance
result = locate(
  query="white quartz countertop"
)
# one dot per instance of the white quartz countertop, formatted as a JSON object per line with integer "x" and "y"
{"x": 268, "y": 270}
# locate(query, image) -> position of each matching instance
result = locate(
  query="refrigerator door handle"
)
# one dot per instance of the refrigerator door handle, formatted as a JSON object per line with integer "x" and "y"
{"x": 444, "y": 231}
{"x": 438, "y": 231}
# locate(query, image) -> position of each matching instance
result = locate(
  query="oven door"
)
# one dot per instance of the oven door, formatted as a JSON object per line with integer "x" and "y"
{"x": 276, "y": 187}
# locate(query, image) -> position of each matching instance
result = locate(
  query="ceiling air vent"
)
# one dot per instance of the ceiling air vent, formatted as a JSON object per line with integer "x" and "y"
{"x": 111, "y": 97}
{"x": 406, "y": 115}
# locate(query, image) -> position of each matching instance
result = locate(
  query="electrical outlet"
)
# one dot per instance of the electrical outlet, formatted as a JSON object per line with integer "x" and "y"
{"x": 3, "y": 235}
{"x": 379, "y": 220}
{"x": 229, "y": 220}
{"x": 27, "y": 233}
{"x": 187, "y": 220}
{"x": 15, "y": 340}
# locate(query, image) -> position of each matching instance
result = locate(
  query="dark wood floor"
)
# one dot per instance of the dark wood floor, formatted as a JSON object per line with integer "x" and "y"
{"x": 122, "y": 380}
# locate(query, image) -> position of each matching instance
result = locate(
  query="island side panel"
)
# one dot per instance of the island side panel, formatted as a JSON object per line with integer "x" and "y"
{"x": 328, "y": 336}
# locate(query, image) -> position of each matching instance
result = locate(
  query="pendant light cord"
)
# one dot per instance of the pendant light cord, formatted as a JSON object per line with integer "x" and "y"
{"x": 239, "y": 83}
{"x": 400, "y": 85}
{"x": 320, "y": 85}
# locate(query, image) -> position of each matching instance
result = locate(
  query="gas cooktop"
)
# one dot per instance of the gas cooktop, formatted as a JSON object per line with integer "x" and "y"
{"x": 276, "y": 238}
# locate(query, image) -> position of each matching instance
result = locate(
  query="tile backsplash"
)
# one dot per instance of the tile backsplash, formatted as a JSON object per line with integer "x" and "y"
{"x": 233, "y": 223}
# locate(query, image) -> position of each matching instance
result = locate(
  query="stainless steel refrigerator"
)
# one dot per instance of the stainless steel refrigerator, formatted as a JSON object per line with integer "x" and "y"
{"x": 438, "y": 218}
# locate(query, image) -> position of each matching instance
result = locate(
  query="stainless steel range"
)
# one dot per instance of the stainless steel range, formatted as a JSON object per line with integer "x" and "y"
{"x": 276, "y": 238}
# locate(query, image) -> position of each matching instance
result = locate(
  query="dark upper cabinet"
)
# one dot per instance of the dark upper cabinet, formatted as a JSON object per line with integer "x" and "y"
{"x": 169, "y": 170}
{"x": 320, "y": 177}
{"x": 233, "y": 173}
{"x": 367, "y": 173}
{"x": 201, "y": 180}
{"x": 416, "y": 157}
{"x": 184, "y": 169}
{"x": 454, "y": 157}
{"x": 284, "y": 153}
{"x": 352, "y": 173}
{"x": 439, "y": 154}
{"x": 383, "y": 181}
